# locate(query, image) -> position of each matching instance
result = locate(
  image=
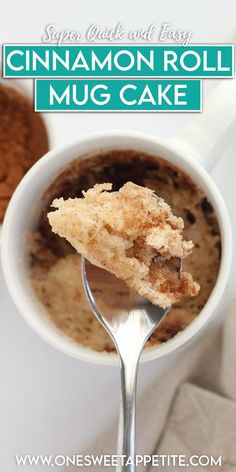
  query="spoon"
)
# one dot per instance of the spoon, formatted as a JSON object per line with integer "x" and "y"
{"x": 129, "y": 319}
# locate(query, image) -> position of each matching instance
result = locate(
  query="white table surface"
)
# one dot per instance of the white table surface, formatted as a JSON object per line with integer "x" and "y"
{"x": 51, "y": 403}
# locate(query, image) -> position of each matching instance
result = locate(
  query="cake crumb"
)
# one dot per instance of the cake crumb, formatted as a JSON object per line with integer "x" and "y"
{"x": 132, "y": 234}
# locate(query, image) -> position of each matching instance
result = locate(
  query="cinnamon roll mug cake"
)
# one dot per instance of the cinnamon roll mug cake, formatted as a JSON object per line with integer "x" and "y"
{"x": 43, "y": 269}
{"x": 128, "y": 232}
{"x": 132, "y": 234}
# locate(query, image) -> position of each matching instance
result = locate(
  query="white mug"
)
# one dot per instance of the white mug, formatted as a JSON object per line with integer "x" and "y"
{"x": 199, "y": 140}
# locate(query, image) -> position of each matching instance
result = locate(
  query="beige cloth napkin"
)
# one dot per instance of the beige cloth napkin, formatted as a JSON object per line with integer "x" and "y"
{"x": 191, "y": 409}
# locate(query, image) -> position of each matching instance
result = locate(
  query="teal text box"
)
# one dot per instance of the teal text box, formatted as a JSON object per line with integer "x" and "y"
{"x": 118, "y": 61}
{"x": 117, "y": 95}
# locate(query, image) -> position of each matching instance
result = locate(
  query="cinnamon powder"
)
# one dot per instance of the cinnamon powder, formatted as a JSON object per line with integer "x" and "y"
{"x": 23, "y": 140}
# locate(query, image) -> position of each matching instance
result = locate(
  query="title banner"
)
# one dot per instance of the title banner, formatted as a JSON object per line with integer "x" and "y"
{"x": 118, "y": 77}
{"x": 118, "y": 61}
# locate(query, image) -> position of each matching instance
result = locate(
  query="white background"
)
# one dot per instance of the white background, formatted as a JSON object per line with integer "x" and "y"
{"x": 50, "y": 403}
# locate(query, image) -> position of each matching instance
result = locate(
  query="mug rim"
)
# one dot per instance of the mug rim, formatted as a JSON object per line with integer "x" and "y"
{"x": 66, "y": 345}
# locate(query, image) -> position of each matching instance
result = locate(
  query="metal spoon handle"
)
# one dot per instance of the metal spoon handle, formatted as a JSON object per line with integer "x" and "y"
{"x": 127, "y": 422}
{"x": 129, "y": 320}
